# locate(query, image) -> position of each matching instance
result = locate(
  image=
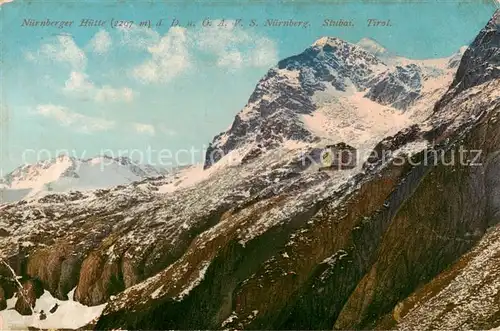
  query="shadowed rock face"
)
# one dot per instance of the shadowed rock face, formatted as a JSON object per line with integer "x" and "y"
{"x": 400, "y": 88}
{"x": 470, "y": 284}
{"x": 445, "y": 216}
{"x": 481, "y": 61}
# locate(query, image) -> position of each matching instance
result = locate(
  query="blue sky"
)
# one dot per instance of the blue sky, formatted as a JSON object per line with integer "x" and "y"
{"x": 93, "y": 89}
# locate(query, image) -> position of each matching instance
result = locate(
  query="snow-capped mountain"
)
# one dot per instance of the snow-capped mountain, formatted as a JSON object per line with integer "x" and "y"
{"x": 66, "y": 173}
{"x": 264, "y": 239}
{"x": 334, "y": 90}
{"x": 373, "y": 47}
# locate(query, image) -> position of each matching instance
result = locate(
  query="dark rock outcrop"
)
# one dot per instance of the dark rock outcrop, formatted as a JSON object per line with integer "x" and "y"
{"x": 98, "y": 280}
{"x": 399, "y": 88}
{"x": 26, "y": 297}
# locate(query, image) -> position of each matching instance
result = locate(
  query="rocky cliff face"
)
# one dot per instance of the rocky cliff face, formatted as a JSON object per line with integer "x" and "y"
{"x": 399, "y": 88}
{"x": 270, "y": 242}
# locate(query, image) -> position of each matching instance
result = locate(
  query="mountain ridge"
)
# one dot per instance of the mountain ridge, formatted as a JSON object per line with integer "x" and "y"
{"x": 483, "y": 55}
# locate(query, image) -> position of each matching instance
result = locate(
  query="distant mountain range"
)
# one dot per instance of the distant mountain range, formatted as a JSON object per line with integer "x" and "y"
{"x": 66, "y": 173}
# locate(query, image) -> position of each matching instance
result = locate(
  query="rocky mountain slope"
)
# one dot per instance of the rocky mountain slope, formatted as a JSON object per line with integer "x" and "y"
{"x": 65, "y": 173}
{"x": 266, "y": 237}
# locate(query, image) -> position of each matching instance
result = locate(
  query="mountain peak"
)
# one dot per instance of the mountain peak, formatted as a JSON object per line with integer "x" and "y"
{"x": 273, "y": 113}
{"x": 494, "y": 22}
{"x": 321, "y": 42}
{"x": 480, "y": 62}
{"x": 63, "y": 157}
{"x": 372, "y": 46}
{"x": 331, "y": 68}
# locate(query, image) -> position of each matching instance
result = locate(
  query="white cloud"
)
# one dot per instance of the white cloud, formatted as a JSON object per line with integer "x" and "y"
{"x": 63, "y": 50}
{"x": 233, "y": 59}
{"x": 108, "y": 93}
{"x": 79, "y": 83}
{"x": 166, "y": 131}
{"x": 66, "y": 117}
{"x": 140, "y": 38}
{"x": 101, "y": 42}
{"x": 169, "y": 58}
{"x": 145, "y": 128}
{"x": 30, "y": 56}
{"x": 171, "y": 55}
{"x": 264, "y": 54}
{"x": 236, "y": 47}
{"x": 219, "y": 40}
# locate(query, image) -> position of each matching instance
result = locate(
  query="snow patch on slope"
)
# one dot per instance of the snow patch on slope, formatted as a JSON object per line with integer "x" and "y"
{"x": 35, "y": 177}
{"x": 69, "y": 315}
{"x": 355, "y": 120}
{"x": 196, "y": 174}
